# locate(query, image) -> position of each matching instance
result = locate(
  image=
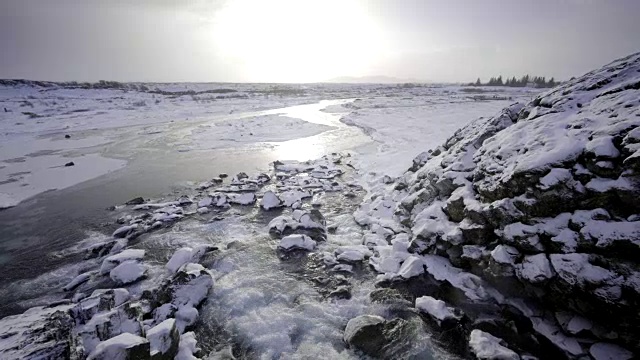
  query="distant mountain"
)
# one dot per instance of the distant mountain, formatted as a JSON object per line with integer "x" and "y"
{"x": 370, "y": 80}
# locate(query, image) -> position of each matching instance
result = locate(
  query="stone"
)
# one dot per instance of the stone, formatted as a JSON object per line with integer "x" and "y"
{"x": 122, "y": 347}
{"x": 164, "y": 340}
{"x": 365, "y": 333}
{"x": 135, "y": 201}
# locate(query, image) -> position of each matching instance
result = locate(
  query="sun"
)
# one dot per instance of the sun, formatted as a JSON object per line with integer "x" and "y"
{"x": 296, "y": 40}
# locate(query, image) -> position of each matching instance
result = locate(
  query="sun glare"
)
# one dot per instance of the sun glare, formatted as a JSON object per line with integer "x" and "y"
{"x": 297, "y": 41}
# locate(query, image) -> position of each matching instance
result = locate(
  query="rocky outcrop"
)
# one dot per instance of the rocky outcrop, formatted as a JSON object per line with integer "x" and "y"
{"x": 533, "y": 213}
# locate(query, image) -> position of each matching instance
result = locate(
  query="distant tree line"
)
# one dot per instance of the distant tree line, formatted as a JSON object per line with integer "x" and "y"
{"x": 534, "y": 81}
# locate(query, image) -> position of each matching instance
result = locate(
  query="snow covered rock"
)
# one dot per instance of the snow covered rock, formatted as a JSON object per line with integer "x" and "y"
{"x": 365, "y": 332}
{"x": 296, "y": 241}
{"x": 128, "y": 272}
{"x": 538, "y": 201}
{"x": 486, "y": 346}
{"x": 112, "y": 261}
{"x": 78, "y": 280}
{"x": 100, "y": 300}
{"x": 122, "y": 347}
{"x": 180, "y": 295}
{"x": 270, "y": 201}
{"x": 164, "y": 340}
{"x": 126, "y": 318}
{"x": 179, "y": 258}
{"x": 606, "y": 351}
{"x": 311, "y": 223}
{"x": 436, "y": 309}
{"x": 38, "y": 333}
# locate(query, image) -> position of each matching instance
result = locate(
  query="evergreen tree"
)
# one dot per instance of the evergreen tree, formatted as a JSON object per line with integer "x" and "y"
{"x": 478, "y": 83}
{"x": 499, "y": 81}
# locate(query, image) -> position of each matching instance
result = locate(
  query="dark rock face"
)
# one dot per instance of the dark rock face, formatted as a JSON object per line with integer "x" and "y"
{"x": 69, "y": 164}
{"x": 40, "y": 333}
{"x": 541, "y": 203}
{"x": 135, "y": 201}
{"x": 366, "y": 333}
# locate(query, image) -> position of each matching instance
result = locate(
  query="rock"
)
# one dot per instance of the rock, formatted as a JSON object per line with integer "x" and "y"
{"x": 535, "y": 269}
{"x": 487, "y": 346}
{"x": 122, "y": 347}
{"x": 128, "y": 272}
{"x": 223, "y": 176}
{"x": 388, "y": 296}
{"x": 67, "y": 136}
{"x": 352, "y": 253}
{"x": 182, "y": 294}
{"x": 123, "y": 231}
{"x": 164, "y": 340}
{"x": 126, "y": 318}
{"x": 78, "y": 280}
{"x": 188, "y": 347}
{"x": 341, "y": 292}
{"x": 99, "y": 300}
{"x": 242, "y": 199}
{"x": 38, "y": 333}
{"x": 365, "y": 333}
{"x": 270, "y": 201}
{"x": 135, "y": 201}
{"x": 606, "y": 351}
{"x": 297, "y": 242}
{"x": 436, "y": 309}
{"x": 70, "y": 163}
{"x": 112, "y": 261}
{"x": 180, "y": 257}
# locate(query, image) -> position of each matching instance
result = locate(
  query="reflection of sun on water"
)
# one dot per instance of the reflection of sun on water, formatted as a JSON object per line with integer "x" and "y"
{"x": 299, "y": 149}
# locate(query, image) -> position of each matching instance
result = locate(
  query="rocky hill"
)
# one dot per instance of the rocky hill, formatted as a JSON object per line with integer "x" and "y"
{"x": 523, "y": 229}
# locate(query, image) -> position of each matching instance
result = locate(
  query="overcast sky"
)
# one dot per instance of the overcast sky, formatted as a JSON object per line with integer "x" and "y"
{"x": 307, "y": 41}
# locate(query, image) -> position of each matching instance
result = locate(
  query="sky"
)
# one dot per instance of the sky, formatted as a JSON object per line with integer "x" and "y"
{"x": 311, "y": 40}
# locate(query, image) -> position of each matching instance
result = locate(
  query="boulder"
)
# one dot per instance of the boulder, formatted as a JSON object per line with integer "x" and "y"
{"x": 122, "y": 347}
{"x": 486, "y": 346}
{"x": 366, "y": 333}
{"x": 164, "y": 340}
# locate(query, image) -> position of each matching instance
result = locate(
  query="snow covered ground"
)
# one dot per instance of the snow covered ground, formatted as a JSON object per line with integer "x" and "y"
{"x": 98, "y": 130}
